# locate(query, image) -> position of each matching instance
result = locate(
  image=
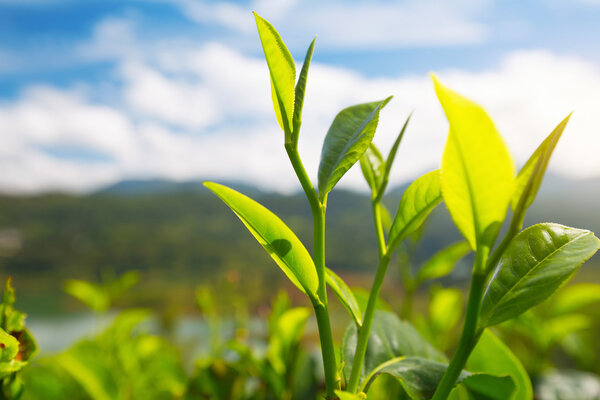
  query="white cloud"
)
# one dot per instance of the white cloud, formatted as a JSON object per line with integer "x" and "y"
{"x": 206, "y": 113}
{"x": 340, "y": 24}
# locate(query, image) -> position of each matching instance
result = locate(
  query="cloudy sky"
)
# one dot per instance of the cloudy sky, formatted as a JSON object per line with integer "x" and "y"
{"x": 96, "y": 91}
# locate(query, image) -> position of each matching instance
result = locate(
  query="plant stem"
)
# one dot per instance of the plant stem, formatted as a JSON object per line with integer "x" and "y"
{"x": 321, "y": 308}
{"x": 376, "y": 205}
{"x": 470, "y": 334}
{"x": 365, "y": 329}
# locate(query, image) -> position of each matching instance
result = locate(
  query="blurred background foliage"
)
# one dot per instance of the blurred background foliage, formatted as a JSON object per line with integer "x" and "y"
{"x": 175, "y": 301}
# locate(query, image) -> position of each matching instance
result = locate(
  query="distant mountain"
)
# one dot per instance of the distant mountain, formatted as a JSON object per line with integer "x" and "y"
{"x": 137, "y": 187}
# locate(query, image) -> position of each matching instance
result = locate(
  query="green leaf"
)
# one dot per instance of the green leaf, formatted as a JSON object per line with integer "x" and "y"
{"x": 482, "y": 386}
{"x": 419, "y": 199}
{"x": 535, "y": 264}
{"x": 92, "y": 295}
{"x": 373, "y": 168}
{"x": 277, "y": 239}
{"x": 445, "y": 309}
{"x": 282, "y": 71}
{"x": 492, "y": 356}
{"x": 300, "y": 91}
{"x": 419, "y": 378}
{"x": 350, "y": 396}
{"x": 389, "y": 338}
{"x": 531, "y": 175}
{"x": 477, "y": 171}
{"x": 345, "y": 295}
{"x": 392, "y": 154}
{"x": 287, "y": 332}
{"x": 347, "y": 140}
{"x": 443, "y": 262}
{"x": 566, "y": 385}
{"x": 575, "y": 297}
{"x": 9, "y": 347}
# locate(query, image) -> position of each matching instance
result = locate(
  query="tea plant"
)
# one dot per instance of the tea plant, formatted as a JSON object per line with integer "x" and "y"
{"x": 17, "y": 346}
{"x": 477, "y": 183}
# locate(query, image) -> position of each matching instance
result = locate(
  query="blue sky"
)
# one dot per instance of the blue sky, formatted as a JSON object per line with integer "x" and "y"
{"x": 96, "y": 91}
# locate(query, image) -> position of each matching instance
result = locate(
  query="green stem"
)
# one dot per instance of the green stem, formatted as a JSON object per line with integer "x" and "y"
{"x": 321, "y": 308}
{"x": 365, "y": 329}
{"x": 470, "y": 335}
{"x": 378, "y": 228}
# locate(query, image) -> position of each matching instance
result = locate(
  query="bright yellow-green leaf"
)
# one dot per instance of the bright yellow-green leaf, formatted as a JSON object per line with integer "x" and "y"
{"x": 477, "y": 170}
{"x": 419, "y": 199}
{"x": 287, "y": 331}
{"x": 372, "y": 167}
{"x": 534, "y": 168}
{"x": 300, "y": 91}
{"x": 574, "y": 297}
{"x": 92, "y": 295}
{"x": 445, "y": 309}
{"x": 282, "y": 71}
{"x": 277, "y": 239}
{"x": 9, "y": 347}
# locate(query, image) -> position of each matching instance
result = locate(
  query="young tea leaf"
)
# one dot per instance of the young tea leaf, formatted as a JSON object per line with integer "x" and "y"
{"x": 347, "y": 140}
{"x": 300, "y": 92}
{"x": 392, "y": 154}
{"x": 443, "y": 262}
{"x": 531, "y": 175}
{"x": 492, "y": 356}
{"x": 345, "y": 295}
{"x": 537, "y": 262}
{"x": 282, "y": 71}
{"x": 373, "y": 168}
{"x": 419, "y": 199}
{"x": 477, "y": 171}
{"x": 277, "y": 239}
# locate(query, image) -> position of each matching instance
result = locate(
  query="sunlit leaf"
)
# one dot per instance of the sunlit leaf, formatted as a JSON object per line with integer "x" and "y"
{"x": 277, "y": 239}
{"x": 347, "y": 140}
{"x": 350, "y": 396}
{"x": 492, "y": 356}
{"x": 287, "y": 332}
{"x": 393, "y": 151}
{"x": 345, "y": 295}
{"x": 443, "y": 262}
{"x": 537, "y": 262}
{"x": 373, "y": 168}
{"x": 92, "y": 295}
{"x": 282, "y": 71}
{"x": 477, "y": 171}
{"x": 445, "y": 309}
{"x": 300, "y": 92}
{"x": 530, "y": 177}
{"x": 419, "y": 199}
{"x": 575, "y": 297}
{"x": 9, "y": 347}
